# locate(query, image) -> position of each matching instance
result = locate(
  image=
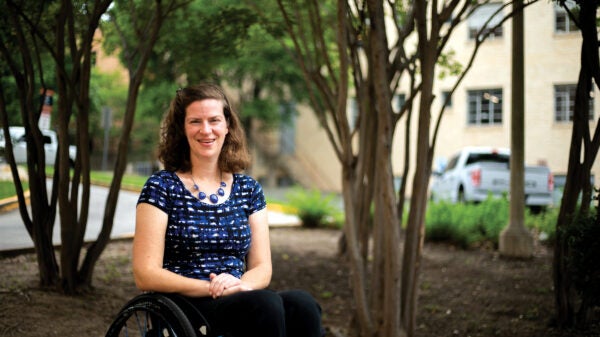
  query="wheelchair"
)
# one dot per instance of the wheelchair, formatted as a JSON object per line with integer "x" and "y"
{"x": 159, "y": 315}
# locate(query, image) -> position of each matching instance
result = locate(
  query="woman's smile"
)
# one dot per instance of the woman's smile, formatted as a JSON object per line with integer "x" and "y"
{"x": 206, "y": 127}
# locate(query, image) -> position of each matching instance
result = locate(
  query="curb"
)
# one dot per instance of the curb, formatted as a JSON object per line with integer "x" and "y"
{"x": 31, "y": 250}
{"x": 11, "y": 203}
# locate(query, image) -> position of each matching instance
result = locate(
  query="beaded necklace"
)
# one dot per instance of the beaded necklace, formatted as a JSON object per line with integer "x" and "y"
{"x": 214, "y": 198}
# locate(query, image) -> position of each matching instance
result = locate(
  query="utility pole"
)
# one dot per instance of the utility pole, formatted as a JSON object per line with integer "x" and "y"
{"x": 515, "y": 240}
{"x": 106, "y": 124}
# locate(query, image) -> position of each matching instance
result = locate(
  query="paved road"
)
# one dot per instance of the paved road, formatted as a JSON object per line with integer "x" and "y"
{"x": 13, "y": 235}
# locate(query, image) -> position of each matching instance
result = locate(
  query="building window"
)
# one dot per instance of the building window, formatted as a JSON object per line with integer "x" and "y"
{"x": 562, "y": 21}
{"x": 352, "y": 112}
{"x": 485, "y": 107}
{"x": 477, "y": 20}
{"x": 287, "y": 136}
{"x": 446, "y": 95}
{"x": 398, "y": 102}
{"x": 564, "y": 103}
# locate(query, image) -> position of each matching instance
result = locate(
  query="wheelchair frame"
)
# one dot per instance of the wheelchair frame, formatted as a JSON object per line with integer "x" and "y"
{"x": 159, "y": 315}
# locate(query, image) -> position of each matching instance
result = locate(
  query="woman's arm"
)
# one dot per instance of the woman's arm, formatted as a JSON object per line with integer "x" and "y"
{"x": 258, "y": 261}
{"x": 259, "y": 268}
{"x": 148, "y": 253}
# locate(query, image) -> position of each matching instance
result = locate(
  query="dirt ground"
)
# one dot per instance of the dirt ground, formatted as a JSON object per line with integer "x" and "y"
{"x": 462, "y": 293}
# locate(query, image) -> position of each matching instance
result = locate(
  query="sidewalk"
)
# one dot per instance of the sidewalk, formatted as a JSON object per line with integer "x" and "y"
{"x": 15, "y": 239}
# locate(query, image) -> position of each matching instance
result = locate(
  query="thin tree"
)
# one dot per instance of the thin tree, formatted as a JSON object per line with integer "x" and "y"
{"x": 64, "y": 31}
{"x": 147, "y": 19}
{"x": 359, "y": 44}
{"x": 585, "y": 141}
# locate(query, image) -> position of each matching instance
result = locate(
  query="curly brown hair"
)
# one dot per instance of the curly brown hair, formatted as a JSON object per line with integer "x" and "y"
{"x": 173, "y": 148}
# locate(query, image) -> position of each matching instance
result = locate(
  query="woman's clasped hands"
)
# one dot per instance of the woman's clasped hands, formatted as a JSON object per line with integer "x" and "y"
{"x": 225, "y": 284}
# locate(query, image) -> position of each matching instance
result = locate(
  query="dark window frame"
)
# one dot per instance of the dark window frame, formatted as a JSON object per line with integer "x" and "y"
{"x": 484, "y": 107}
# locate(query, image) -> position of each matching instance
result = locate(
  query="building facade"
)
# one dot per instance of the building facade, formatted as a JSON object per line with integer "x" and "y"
{"x": 480, "y": 113}
{"x": 480, "y": 110}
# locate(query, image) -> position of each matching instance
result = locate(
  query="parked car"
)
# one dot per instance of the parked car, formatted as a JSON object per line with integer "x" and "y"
{"x": 2, "y": 142}
{"x": 476, "y": 172}
{"x": 17, "y": 135}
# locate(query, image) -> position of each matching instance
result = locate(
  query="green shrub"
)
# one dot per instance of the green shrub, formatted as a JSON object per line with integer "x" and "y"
{"x": 543, "y": 224}
{"x": 468, "y": 225}
{"x": 439, "y": 221}
{"x": 584, "y": 248}
{"x": 314, "y": 209}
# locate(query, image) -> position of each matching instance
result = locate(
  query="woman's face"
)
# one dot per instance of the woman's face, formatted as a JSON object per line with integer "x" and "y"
{"x": 205, "y": 128}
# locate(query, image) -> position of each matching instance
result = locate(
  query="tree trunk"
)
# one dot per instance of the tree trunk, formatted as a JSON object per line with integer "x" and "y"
{"x": 136, "y": 70}
{"x": 413, "y": 245}
{"x": 386, "y": 64}
{"x": 578, "y": 172}
{"x": 40, "y": 222}
{"x": 386, "y": 255}
{"x": 356, "y": 262}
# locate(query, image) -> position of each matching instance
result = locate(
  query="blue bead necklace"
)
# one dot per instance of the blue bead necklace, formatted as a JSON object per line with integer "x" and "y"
{"x": 214, "y": 198}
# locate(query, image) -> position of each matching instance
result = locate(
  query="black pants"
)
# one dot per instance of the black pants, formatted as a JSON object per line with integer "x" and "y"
{"x": 263, "y": 313}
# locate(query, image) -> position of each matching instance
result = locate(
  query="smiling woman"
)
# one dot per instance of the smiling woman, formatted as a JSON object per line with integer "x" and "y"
{"x": 202, "y": 230}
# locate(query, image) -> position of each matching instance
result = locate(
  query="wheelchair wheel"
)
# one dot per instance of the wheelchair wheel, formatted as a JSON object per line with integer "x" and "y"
{"x": 151, "y": 315}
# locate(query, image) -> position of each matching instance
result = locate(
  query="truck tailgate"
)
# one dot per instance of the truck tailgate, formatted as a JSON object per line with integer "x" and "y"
{"x": 536, "y": 180}
{"x": 495, "y": 178}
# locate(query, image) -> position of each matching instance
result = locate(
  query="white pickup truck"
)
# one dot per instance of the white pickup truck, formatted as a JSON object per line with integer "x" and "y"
{"x": 17, "y": 136}
{"x": 476, "y": 172}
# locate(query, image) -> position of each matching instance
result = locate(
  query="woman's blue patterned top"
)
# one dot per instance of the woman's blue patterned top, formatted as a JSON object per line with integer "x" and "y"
{"x": 204, "y": 238}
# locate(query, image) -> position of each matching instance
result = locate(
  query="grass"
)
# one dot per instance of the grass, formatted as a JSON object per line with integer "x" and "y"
{"x": 132, "y": 182}
{"x": 7, "y": 189}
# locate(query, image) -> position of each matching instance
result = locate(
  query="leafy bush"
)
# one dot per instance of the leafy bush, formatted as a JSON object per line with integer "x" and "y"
{"x": 440, "y": 221}
{"x": 584, "y": 248}
{"x": 469, "y": 230}
{"x": 543, "y": 224}
{"x": 313, "y": 208}
{"x": 468, "y": 225}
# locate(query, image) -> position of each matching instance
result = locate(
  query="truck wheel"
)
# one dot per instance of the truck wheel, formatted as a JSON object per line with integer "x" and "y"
{"x": 461, "y": 195}
{"x": 537, "y": 209}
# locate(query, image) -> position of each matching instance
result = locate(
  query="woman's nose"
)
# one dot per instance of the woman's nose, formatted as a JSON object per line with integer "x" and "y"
{"x": 205, "y": 127}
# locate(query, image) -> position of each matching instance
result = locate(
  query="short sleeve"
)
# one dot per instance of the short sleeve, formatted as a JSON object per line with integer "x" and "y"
{"x": 257, "y": 199}
{"x": 154, "y": 192}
